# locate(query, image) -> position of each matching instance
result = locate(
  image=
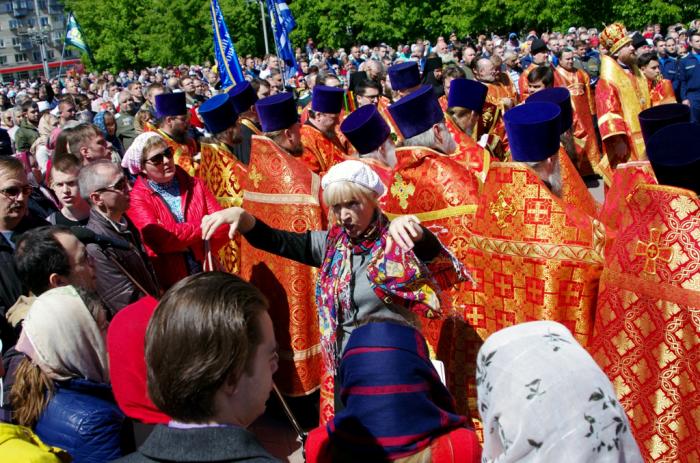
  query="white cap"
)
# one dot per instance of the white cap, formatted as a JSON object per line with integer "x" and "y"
{"x": 356, "y": 172}
{"x": 43, "y": 106}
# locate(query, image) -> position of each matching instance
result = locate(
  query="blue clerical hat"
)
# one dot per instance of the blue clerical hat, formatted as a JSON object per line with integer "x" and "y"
{"x": 171, "y": 104}
{"x": 674, "y": 155}
{"x": 327, "y": 99}
{"x": 277, "y": 112}
{"x": 653, "y": 119}
{"x": 533, "y": 131}
{"x": 417, "y": 112}
{"x": 218, "y": 113}
{"x": 366, "y": 129}
{"x": 561, "y": 97}
{"x": 243, "y": 97}
{"x": 467, "y": 93}
{"x": 404, "y": 75}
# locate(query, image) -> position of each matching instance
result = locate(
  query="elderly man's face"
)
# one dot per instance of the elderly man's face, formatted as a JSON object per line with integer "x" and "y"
{"x": 14, "y": 198}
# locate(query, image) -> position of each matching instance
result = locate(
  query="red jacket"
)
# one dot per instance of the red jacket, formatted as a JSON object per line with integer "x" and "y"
{"x": 457, "y": 446}
{"x": 165, "y": 239}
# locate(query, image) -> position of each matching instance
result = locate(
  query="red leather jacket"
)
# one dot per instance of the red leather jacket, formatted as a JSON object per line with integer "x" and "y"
{"x": 165, "y": 239}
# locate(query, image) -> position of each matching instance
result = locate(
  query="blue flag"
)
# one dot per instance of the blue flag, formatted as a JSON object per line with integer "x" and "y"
{"x": 74, "y": 36}
{"x": 282, "y": 24}
{"x": 226, "y": 57}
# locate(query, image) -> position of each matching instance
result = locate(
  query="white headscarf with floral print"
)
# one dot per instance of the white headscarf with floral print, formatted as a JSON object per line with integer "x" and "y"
{"x": 542, "y": 398}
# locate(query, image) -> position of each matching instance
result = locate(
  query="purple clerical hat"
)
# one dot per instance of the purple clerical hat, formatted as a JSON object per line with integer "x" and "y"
{"x": 561, "y": 97}
{"x": 171, "y": 104}
{"x": 653, "y": 119}
{"x": 467, "y": 93}
{"x": 674, "y": 155}
{"x": 277, "y": 112}
{"x": 417, "y": 112}
{"x": 366, "y": 129}
{"x": 243, "y": 97}
{"x": 327, "y": 99}
{"x": 218, "y": 113}
{"x": 404, "y": 75}
{"x": 533, "y": 131}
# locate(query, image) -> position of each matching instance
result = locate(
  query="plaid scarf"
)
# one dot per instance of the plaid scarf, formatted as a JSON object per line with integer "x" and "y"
{"x": 397, "y": 277}
{"x": 395, "y": 404}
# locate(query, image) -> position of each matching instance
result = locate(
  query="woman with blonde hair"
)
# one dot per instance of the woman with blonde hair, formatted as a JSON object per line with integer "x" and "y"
{"x": 369, "y": 266}
{"x": 39, "y": 148}
{"x": 62, "y": 389}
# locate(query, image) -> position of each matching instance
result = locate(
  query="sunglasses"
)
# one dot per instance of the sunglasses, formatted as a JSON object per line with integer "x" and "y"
{"x": 13, "y": 192}
{"x": 119, "y": 185}
{"x": 159, "y": 158}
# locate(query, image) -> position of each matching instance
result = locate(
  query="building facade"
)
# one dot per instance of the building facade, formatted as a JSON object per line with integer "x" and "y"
{"x": 21, "y": 32}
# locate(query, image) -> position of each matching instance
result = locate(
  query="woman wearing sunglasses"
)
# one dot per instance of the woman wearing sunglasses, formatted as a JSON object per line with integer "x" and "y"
{"x": 167, "y": 206}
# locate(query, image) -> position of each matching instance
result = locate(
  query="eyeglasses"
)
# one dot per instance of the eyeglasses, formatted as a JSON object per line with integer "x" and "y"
{"x": 159, "y": 158}
{"x": 119, "y": 185}
{"x": 13, "y": 192}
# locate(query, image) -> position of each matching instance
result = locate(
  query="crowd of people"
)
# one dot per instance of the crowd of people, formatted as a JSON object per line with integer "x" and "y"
{"x": 404, "y": 237}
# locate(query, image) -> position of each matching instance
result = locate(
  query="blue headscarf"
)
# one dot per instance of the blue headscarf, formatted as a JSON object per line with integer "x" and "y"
{"x": 395, "y": 404}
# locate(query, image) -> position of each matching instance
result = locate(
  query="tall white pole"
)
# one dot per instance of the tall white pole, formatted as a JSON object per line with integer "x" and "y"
{"x": 40, "y": 37}
{"x": 264, "y": 26}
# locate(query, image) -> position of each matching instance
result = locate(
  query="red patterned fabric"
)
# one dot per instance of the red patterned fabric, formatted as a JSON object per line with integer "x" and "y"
{"x": 184, "y": 152}
{"x": 647, "y": 328}
{"x": 470, "y": 154}
{"x": 320, "y": 152}
{"x": 285, "y": 193}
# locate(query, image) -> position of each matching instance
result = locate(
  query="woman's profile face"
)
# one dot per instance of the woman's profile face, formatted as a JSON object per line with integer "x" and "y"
{"x": 354, "y": 216}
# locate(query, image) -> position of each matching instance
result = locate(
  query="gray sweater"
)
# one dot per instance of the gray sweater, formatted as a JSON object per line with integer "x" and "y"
{"x": 310, "y": 247}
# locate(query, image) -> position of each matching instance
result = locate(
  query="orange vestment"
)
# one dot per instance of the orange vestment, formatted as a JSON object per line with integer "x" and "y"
{"x": 621, "y": 94}
{"x": 320, "y": 152}
{"x": 283, "y": 192}
{"x": 583, "y": 128}
{"x": 661, "y": 92}
{"x": 647, "y": 328}
{"x": 443, "y": 195}
{"x": 184, "y": 153}
{"x": 470, "y": 154}
{"x": 224, "y": 175}
{"x": 491, "y": 120}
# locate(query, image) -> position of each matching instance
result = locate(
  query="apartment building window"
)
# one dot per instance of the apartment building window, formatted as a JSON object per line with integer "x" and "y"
{"x": 31, "y": 22}
{"x": 36, "y": 56}
{"x": 2, "y": 43}
{"x": 7, "y": 7}
{"x": 51, "y": 54}
{"x": 20, "y": 57}
{"x": 44, "y": 21}
{"x": 3, "y": 60}
{"x": 15, "y": 23}
{"x": 16, "y": 40}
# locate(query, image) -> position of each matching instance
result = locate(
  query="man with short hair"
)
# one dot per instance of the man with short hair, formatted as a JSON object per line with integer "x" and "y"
{"x": 188, "y": 87}
{"x": 123, "y": 272}
{"x": 620, "y": 98}
{"x": 540, "y": 54}
{"x": 220, "y": 387}
{"x": 87, "y": 143}
{"x": 135, "y": 89}
{"x": 28, "y": 130}
{"x": 173, "y": 122}
{"x": 66, "y": 112}
{"x": 668, "y": 65}
{"x": 322, "y": 147}
{"x": 660, "y": 89}
{"x": 690, "y": 77}
{"x": 126, "y": 131}
{"x": 368, "y": 92}
{"x": 468, "y": 55}
{"x": 356, "y": 57}
{"x": 74, "y": 211}
{"x": 14, "y": 220}
{"x": 499, "y": 99}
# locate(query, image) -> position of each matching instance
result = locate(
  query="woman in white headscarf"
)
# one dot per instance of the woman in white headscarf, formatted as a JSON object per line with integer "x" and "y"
{"x": 62, "y": 389}
{"x": 542, "y": 398}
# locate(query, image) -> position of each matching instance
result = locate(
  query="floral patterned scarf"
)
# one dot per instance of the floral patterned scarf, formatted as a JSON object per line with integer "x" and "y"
{"x": 397, "y": 277}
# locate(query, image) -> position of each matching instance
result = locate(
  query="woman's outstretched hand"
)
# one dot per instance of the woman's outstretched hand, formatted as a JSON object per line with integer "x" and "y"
{"x": 406, "y": 231}
{"x": 236, "y": 217}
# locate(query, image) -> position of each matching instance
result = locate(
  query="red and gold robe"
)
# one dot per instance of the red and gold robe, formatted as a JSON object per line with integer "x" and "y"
{"x": 184, "y": 153}
{"x": 583, "y": 128}
{"x": 251, "y": 125}
{"x": 283, "y": 192}
{"x": 443, "y": 195}
{"x": 443, "y": 102}
{"x": 661, "y": 92}
{"x": 621, "y": 94}
{"x": 574, "y": 192}
{"x": 224, "y": 175}
{"x": 523, "y": 88}
{"x": 320, "y": 152}
{"x": 383, "y": 108}
{"x": 491, "y": 120}
{"x": 469, "y": 153}
{"x": 647, "y": 327}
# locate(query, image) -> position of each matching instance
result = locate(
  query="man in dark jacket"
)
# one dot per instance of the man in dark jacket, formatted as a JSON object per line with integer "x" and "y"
{"x": 28, "y": 130}
{"x": 220, "y": 387}
{"x": 123, "y": 272}
{"x": 14, "y": 199}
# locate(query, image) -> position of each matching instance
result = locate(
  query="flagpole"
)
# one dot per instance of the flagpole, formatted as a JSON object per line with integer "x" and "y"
{"x": 264, "y": 26}
{"x": 63, "y": 50}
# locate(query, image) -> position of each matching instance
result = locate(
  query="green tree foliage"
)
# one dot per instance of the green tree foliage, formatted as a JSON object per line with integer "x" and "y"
{"x": 132, "y": 33}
